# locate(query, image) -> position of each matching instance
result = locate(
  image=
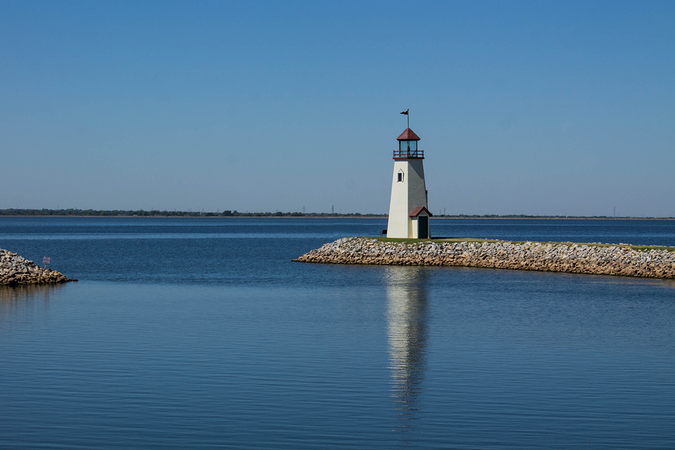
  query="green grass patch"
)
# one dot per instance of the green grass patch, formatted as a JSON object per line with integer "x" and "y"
{"x": 642, "y": 248}
{"x": 417, "y": 241}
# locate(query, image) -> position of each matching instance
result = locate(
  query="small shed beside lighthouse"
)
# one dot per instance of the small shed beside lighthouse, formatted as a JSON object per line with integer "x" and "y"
{"x": 408, "y": 208}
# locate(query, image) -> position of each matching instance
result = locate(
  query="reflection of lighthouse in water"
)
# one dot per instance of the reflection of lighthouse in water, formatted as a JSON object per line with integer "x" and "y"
{"x": 407, "y": 316}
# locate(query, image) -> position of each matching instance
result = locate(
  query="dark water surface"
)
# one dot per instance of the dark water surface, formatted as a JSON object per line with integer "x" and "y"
{"x": 201, "y": 333}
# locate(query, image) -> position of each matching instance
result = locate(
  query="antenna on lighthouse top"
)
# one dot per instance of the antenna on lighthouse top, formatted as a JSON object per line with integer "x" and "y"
{"x": 407, "y": 114}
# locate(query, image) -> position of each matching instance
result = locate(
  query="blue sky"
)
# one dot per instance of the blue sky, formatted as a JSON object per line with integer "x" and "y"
{"x": 562, "y": 108}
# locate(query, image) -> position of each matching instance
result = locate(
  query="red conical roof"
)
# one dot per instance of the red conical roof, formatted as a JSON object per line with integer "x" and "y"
{"x": 417, "y": 211}
{"x": 408, "y": 135}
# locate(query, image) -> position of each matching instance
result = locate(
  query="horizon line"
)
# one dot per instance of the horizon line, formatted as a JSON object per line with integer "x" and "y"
{"x": 34, "y": 212}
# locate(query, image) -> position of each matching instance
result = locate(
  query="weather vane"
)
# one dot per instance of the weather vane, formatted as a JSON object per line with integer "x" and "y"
{"x": 406, "y": 112}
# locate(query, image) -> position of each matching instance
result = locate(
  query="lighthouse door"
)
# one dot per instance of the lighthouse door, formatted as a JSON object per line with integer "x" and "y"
{"x": 423, "y": 227}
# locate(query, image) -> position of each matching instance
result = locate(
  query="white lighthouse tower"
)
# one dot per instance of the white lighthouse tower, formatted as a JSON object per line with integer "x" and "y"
{"x": 408, "y": 209}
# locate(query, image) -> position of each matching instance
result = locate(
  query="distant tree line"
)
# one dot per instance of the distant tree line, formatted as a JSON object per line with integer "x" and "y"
{"x": 157, "y": 213}
{"x": 293, "y": 214}
{"x": 235, "y": 213}
{"x": 526, "y": 216}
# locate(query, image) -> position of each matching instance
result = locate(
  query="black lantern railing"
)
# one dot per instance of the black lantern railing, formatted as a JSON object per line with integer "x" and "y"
{"x": 402, "y": 154}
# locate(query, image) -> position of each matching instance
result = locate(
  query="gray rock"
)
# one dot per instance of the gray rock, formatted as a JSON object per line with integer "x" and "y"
{"x": 16, "y": 270}
{"x": 550, "y": 257}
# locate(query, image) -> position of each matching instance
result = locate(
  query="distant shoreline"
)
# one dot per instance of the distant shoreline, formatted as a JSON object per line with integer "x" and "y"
{"x": 289, "y": 215}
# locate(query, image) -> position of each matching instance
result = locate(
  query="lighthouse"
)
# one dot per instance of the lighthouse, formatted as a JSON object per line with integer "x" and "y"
{"x": 408, "y": 209}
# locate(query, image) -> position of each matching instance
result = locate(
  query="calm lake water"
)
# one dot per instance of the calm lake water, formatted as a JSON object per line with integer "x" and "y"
{"x": 201, "y": 333}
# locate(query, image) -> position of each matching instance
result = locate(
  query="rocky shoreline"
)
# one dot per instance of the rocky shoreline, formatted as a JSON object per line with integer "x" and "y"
{"x": 16, "y": 270}
{"x": 621, "y": 260}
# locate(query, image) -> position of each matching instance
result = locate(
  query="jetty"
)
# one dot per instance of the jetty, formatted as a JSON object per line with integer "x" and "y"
{"x": 580, "y": 258}
{"x": 16, "y": 270}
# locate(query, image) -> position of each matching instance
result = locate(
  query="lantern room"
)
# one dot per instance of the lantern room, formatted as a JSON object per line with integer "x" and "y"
{"x": 407, "y": 146}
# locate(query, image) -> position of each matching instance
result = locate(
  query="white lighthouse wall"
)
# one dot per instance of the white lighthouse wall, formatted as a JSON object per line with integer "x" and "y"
{"x": 417, "y": 189}
{"x": 397, "y": 226}
{"x": 406, "y": 195}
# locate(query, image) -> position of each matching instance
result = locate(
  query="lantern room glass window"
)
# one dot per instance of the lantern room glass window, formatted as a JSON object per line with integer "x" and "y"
{"x": 407, "y": 145}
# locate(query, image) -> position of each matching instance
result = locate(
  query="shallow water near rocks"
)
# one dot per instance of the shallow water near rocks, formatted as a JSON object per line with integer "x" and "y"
{"x": 201, "y": 333}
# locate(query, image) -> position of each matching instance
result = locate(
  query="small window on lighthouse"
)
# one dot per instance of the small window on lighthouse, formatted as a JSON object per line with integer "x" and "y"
{"x": 400, "y": 176}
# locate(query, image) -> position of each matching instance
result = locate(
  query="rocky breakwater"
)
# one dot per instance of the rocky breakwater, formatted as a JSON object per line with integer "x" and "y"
{"x": 16, "y": 270}
{"x": 597, "y": 259}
